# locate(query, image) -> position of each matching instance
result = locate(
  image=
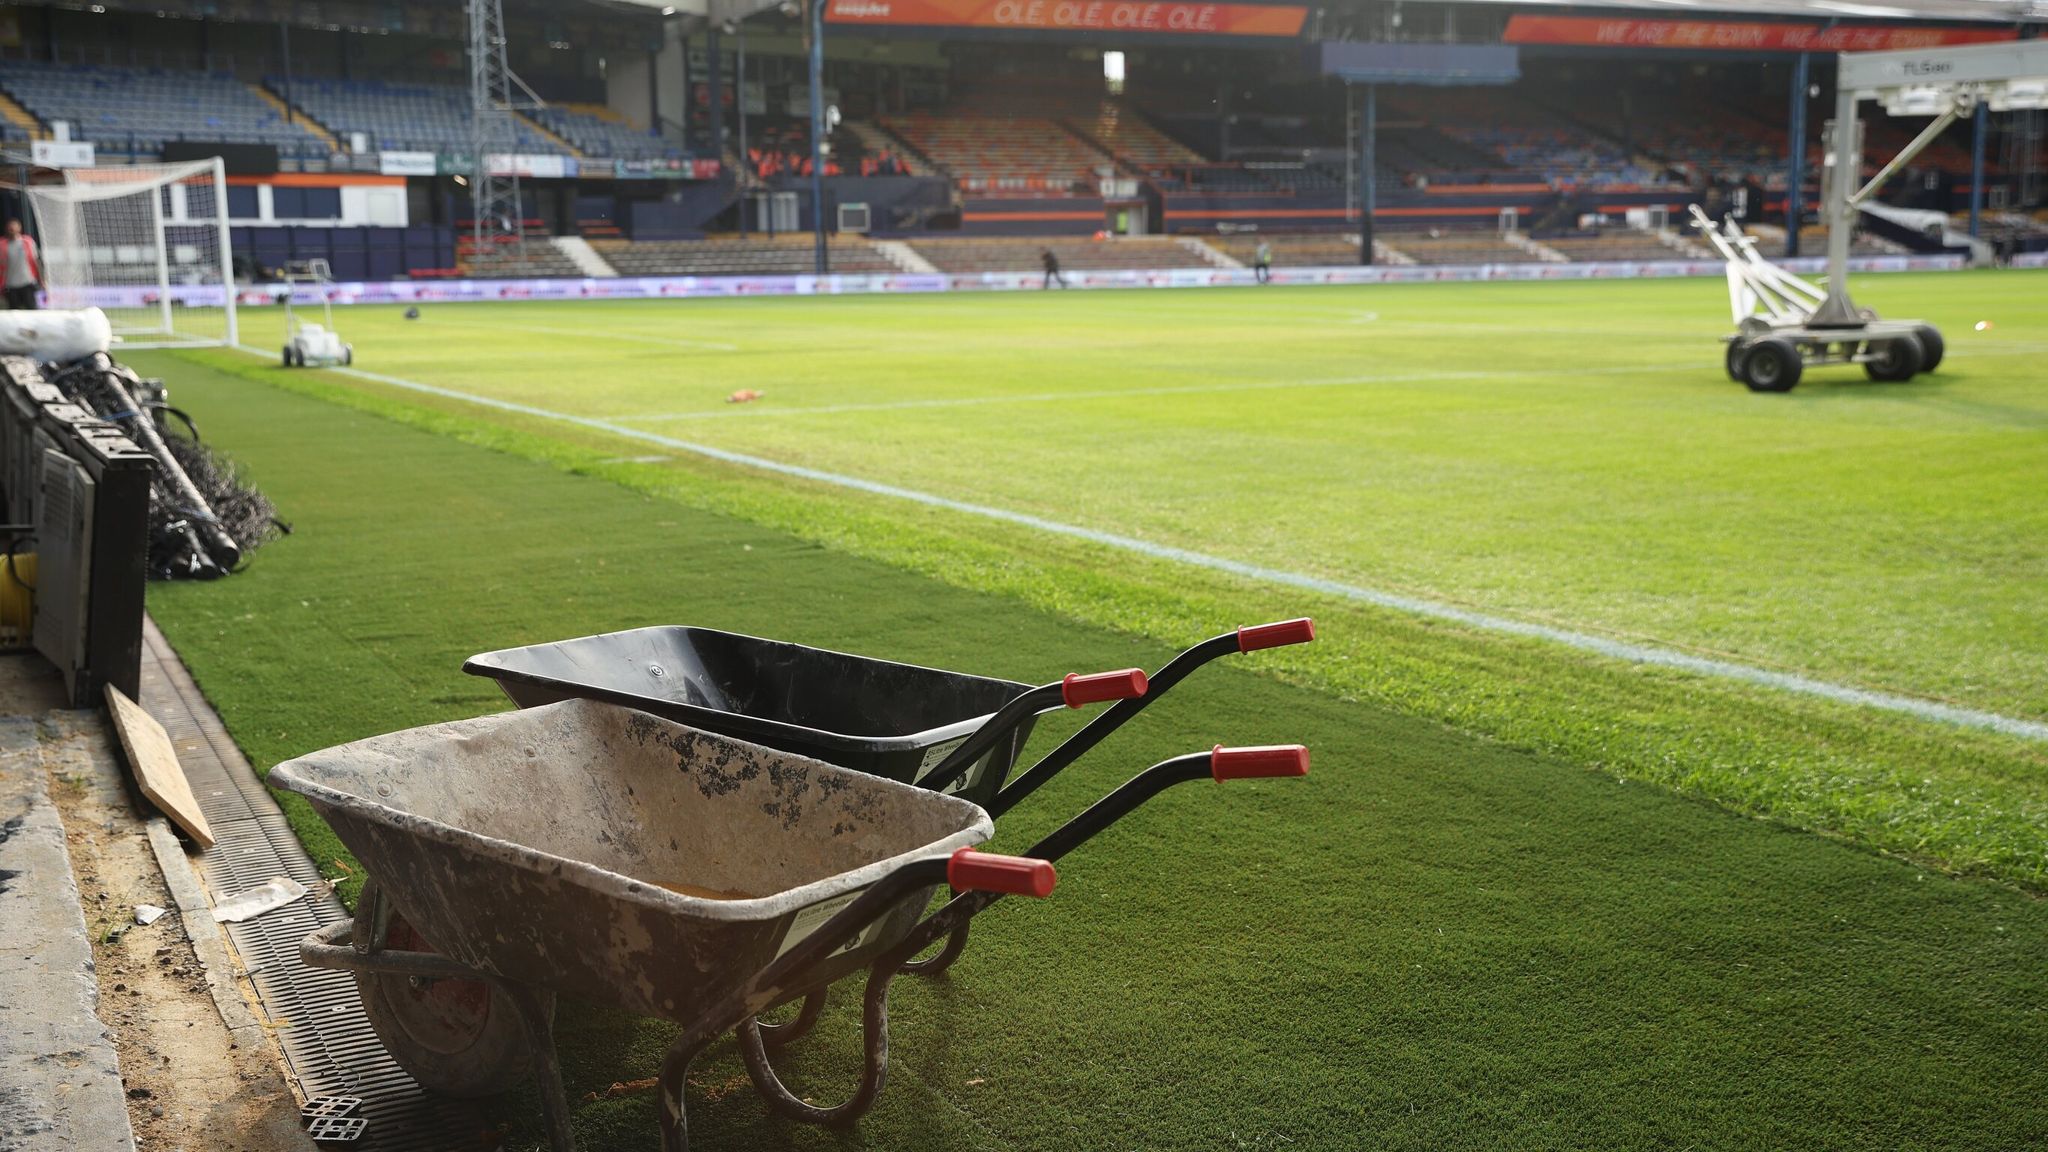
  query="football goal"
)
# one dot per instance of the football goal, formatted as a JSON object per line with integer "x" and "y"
{"x": 147, "y": 244}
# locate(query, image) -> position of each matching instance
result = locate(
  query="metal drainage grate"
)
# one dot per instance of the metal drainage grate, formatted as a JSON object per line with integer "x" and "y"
{"x": 316, "y": 1015}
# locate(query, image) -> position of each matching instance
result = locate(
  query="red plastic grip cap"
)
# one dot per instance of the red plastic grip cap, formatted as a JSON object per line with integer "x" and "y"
{"x": 1276, "y": 635}
{"x": 1252, "y": 763}
{"x": 1078, "y": 690}
{"x": 971, "y": 871}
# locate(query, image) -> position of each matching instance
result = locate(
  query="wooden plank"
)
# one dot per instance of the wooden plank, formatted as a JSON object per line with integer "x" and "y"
{"x": 156, "y": 766}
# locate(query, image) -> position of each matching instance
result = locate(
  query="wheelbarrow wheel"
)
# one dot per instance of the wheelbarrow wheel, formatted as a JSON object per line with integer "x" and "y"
{"x": 456, "y": 1037}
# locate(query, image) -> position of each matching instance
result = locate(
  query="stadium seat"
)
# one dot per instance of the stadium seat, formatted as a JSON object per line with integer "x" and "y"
{"x": 130, "y": 113}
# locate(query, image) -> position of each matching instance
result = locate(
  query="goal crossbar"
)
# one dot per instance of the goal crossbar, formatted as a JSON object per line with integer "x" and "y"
{"x": 146, "y": 243}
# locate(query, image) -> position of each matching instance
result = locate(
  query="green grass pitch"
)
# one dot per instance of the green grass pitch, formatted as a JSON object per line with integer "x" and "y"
{"x": 1497, "y": 915}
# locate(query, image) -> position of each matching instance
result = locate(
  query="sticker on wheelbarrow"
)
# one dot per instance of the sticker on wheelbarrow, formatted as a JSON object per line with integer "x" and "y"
{"x": 809, "y": 920}
{"x": 937, "y": 753}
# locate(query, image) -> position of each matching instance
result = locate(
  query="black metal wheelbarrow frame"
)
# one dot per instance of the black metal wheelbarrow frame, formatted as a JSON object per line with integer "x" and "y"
{"x": 979, "y": 878}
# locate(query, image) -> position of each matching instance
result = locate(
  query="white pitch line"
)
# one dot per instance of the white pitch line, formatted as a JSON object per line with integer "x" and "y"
{"x": 1412, "y": 605}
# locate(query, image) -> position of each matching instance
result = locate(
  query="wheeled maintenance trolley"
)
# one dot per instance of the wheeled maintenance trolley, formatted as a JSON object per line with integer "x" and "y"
{"x": 1787, "y": 324}
{"x": 586, "y": 849}
{"x": 1777, "y": 336}
{"x": 306, "y": 344}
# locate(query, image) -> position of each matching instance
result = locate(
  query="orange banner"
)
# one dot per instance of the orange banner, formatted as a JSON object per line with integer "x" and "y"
{"x": 1718, "y": 35}
{"x": 1077, "y": 16}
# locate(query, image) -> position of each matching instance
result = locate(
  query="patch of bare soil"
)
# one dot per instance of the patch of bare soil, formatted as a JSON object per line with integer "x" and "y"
{"x": 189, "y": 1085}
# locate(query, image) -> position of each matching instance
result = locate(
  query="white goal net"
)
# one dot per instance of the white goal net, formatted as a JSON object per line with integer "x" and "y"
{"x": 147, "y": 244}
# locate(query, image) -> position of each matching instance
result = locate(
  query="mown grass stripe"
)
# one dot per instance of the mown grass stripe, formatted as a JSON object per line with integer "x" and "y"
{"x": 1635, "y": 653}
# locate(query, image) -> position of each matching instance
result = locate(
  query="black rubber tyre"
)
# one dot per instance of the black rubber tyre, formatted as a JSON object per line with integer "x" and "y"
{"x": 456, "y": 1037}
{"x": 1932, "y": 347}
{"x": 1772, "y": 365}
{"x": 1733, "y": 360}
{"x": 287, "y": 355}
{"x": 1898, "y": 359}
{"x": 348, "y": 355}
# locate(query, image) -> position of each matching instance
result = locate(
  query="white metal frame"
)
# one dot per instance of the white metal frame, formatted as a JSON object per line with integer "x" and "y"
{"x": 77, "y": 188}
{"x": 1947, "y": 83}
{"x": 1757, "y": 287}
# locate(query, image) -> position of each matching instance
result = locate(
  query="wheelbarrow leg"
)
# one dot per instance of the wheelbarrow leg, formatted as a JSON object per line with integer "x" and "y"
{"x": 935, "y": 965}
{"x": 675, "y": 1073}
{"x": 534, "y": 1012}
{"x": 776, "y": 1035}
{"x": 875, "y": 1033}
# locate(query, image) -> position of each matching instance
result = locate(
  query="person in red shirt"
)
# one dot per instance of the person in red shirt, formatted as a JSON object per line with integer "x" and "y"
{"x": 21, "y": 267}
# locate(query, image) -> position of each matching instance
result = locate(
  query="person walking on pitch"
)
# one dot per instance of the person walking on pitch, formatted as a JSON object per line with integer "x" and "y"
{"x": 1052, "y": 269}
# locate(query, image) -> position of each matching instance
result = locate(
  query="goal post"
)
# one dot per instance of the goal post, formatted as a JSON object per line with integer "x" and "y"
{"x": 145, "y": 243}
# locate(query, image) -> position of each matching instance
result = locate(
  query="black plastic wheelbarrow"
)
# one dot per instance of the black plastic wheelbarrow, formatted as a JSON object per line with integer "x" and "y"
{"x": 948, "y": 731}
{"x": 620, "y": 858}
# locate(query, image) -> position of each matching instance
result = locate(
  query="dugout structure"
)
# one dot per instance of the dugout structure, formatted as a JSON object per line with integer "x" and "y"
{"x": 147, "y": 244}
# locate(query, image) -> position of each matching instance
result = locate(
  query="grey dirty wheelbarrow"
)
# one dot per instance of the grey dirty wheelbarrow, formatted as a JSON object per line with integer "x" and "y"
{"x": 592, "y": 851}
{"x": 944, "y": 730}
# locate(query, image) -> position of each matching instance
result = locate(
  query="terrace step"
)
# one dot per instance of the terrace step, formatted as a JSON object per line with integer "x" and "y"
{"x": 294, "y": 116}
{"x": 547, "y": 133}
{"x": 579, "y": 251}
{"x": 1383, "y": 252}
{"x": 1202, "y": 248}
{"x": 1535, "y": 248}
{"x": 18, "y": 116}
{"x": 904, "y": 257}
{"x": 1677, "y": 243}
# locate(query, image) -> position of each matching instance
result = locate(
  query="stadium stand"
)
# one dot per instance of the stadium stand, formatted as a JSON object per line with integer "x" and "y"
{"x": 401, "y": 117}
{"x": 1614, "y": 244}
{"x": 129, "y": 113}
{"x": 1139, "y": 146}
{"x": 1291, "y": 251}
{"x": 1014, "y": 155}
{"x": 1814, "y": 239}
{"x": 778, "y": 256}
{"x": 599, "y": 132}
{"x": 1458, "y": 247}
{"x": 961, "y": 255}
{"x": 1527, "y": 140}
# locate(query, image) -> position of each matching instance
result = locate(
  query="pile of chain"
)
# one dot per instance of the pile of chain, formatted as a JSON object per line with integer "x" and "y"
{"x": 202, "y": 518}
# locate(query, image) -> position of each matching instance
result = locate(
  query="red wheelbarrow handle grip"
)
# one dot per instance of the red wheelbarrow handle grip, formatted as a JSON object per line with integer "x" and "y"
{"x": 972, "y": 871}
{"x": 1276, "y": 635}
{"x": 1252, "y": 763}
{"x": 1125, "y": 684}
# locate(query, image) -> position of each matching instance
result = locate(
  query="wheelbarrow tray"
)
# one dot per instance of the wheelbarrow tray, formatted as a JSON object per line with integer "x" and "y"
{"x": 896, "y": 721}
{"x": 535, "y": 845}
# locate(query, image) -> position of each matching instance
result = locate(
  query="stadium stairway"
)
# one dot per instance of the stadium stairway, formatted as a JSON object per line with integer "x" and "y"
{"x": 294, "y": 116}
{"x": 581, "y": 254}
{"x": 18, "y": 116}
{"x": 904, "y": 257}
{"x": 1536, "y": 248}
{"x": 1209, "y": 252}
{"x": 875, "y": 140}
{"x": 1683, "y": 247}
{"x": 548, "y": 134}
